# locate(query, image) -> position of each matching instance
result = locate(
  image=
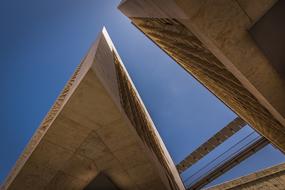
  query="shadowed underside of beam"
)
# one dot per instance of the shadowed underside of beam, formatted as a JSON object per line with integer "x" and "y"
{"x": 97, "y": 124}
{"x": 217, "y": 139}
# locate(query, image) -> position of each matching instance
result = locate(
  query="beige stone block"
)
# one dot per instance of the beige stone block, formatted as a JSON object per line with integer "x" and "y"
{"x": 90, "y": 105}
{"x": 80, "y": 167}
{"x": 92, "y": 147}
{"x": 255, "y": 9}
{"x": 62, "y": 181}
{"x": 275, "y": 183}
{"x": 117, "y": 135}
{"x": 33, "y": 177}
{"x": 105, "y": 70}
{"x": 224, "y": 23}
{"x": 144, "y": 171}
{"x": 131, "y": 156}
{"x": 49, "y": 155}
{"x": 107, "y": 161}
{"x": 67, "y": 133}
{"x": 121, "y": 179}
{"x": 152, "y": 9}
{"x": 152, "y": 185}
{"x": 226, "y": 27}
{"x": 192, "y": 6}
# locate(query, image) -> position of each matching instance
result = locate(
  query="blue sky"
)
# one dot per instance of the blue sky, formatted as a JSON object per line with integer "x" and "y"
{"x": 43, "y": 41}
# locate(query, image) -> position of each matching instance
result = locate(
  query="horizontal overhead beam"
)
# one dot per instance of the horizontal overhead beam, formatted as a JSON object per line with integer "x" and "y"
{"x": 217, "y": 139}
{"x": 220, "y": 170}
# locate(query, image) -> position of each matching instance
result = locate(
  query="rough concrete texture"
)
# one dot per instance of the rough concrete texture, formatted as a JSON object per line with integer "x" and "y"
{"x": 212, "y": 43}
{"x": 89, "y": 130}
{"x": 269, "y": 179}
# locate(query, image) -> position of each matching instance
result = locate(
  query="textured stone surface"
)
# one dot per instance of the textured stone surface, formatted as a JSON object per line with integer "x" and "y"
{"x": 88, "y": 131}
{"x": 67, "y": 133}
{"x": 63, "y": 181}
{"x": 269, "y": 179}
{"x": 192, "y": 55}
{"x": 139, "y": 118}
{"x": 114, "y": 141}
{"x": 213, "y": 45}
{"x": 256, "y": 8}
{"x": 80, "y": 167}
{"x": 223, "y": 27}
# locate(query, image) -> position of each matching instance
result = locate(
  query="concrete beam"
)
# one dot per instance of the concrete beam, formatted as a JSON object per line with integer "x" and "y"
{"x": 209, "y": 39}
{"x": 92, "y": 128}
{"x": 217, "y": 139}
{"x": 229, "y": 164}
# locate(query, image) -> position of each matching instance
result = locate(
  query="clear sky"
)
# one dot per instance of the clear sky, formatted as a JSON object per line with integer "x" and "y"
{"x": 42, "y": 41}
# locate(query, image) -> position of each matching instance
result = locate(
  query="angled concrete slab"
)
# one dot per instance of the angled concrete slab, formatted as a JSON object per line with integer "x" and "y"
{"x": 210, "y": 40}
{"x": 97, "y": 124}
